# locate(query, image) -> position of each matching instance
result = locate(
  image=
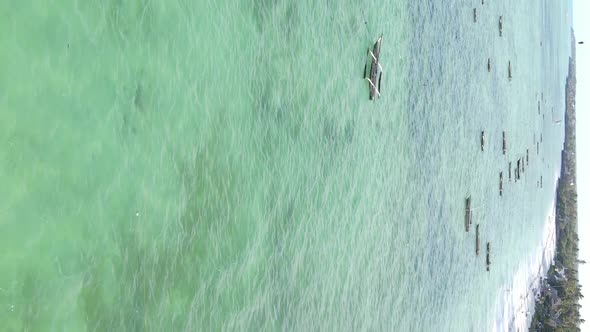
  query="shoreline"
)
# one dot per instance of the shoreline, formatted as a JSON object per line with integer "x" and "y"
{"x": 515, "y": 304}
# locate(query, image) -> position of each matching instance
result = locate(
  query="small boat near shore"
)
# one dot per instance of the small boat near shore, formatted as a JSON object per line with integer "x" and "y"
{"x": 501, "y": 183}
{"x": 509, "y": 171}
{"x": 376, "y": 71}
{"x": 488, "y": 261}
{"x": 477, "y": 240}
{"x": 482, "y": 140}
{"x": 503, "y": 142}
{"x": 468, "y": 213}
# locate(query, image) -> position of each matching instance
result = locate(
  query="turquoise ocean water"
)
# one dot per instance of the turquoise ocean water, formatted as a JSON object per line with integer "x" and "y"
{"x": 217, "y": 165}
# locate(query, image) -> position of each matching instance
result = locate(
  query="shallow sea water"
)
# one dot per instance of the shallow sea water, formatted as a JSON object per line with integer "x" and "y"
{"x": 217, "y": 165}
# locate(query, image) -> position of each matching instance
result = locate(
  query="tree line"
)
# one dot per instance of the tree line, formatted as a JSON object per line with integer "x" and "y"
{"x": 558, "y": 308}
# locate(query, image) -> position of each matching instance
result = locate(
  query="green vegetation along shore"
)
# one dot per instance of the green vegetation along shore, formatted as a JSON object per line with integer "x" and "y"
{"x": 557, "y": 307}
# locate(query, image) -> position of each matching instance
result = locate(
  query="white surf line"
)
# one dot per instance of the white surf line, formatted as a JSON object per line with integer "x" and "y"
{"x": 515, "y": 307}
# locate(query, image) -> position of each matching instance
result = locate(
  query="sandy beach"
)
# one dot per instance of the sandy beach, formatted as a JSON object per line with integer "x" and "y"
{"x": 516, "y": 301}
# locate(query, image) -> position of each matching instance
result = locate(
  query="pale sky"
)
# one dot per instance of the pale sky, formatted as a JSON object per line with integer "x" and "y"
{"x": 582, "y": 32}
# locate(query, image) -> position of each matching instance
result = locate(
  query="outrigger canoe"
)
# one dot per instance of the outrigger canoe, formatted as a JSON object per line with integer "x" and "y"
{"x": 376, "y": 71}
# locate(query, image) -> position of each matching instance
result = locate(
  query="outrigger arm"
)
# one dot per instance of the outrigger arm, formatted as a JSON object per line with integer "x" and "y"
{"x": 374, "y": 87}
{"x": 375, "y": 59}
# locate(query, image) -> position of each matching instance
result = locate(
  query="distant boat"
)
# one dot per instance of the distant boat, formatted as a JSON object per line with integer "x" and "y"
{"x": 482, "y": 140}
{"x": 500, "y": 25}
{"x": 509, "y": 171}
{"x": 503, "y": 142}
{"x": 474, "y": 15}
{"x": 489, "y": 65}
{"x": 501, "y": 183}
{"x": 477, "y": 239}
{"x": 509, "y": 70}
{"x": 488, "y": 261}
{"x": 375, "y": 69}
{"x": 468, "y": 213}
{"x": 527, "y": 156}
